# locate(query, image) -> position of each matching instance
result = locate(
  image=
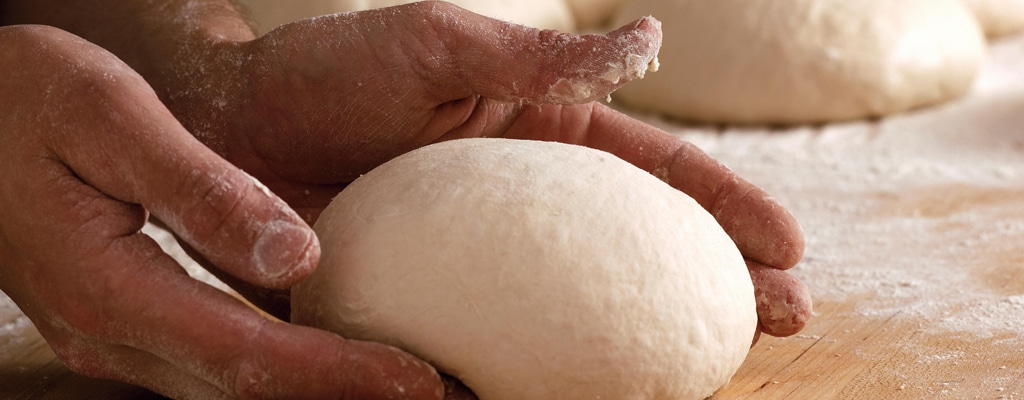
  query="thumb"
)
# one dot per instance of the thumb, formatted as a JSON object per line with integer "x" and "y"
{"x": 142, "y": 155}
{"x": 468, "y": 54}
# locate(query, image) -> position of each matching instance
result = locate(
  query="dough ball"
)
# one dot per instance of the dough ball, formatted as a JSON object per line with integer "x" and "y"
{"x": 799, "y": 61}
{"x": 534, "y": 270}
{"x": 593, "y": 14}
{"x": 544, "y": 14}
{"x": 998, "y": 17}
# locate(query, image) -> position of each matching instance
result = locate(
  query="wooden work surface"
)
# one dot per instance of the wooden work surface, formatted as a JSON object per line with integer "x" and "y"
{"x": 915, "y": 229}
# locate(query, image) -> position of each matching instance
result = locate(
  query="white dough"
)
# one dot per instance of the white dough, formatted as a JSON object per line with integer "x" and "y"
{"x": 544, "y": 14}
{"x": 797, "y": 61}
{"x": 998, "y": 17}
{"x": 534, "y": 270}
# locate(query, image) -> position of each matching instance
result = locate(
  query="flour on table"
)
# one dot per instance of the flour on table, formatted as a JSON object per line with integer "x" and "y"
{"x": 916, "y": 216}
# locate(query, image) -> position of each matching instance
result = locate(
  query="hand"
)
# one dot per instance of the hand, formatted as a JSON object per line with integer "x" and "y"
{"x": 310, "y": 106}
{"x": 87, "y": 152}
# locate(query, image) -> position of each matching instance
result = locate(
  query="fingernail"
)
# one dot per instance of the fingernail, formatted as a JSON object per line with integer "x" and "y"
{"x": 283, "y": 250}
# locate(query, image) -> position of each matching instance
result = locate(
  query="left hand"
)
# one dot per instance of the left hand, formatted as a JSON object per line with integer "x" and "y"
{"x": 309, "y": 107}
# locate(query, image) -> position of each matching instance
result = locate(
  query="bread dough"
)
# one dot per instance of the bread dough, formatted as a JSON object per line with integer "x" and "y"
{"x": 998, "y": 17}
{"x": 545, "y": 14}
{"x": 534, "y": 270}
{"x": 800, "y": 61}
{"x": 593, "y": 14}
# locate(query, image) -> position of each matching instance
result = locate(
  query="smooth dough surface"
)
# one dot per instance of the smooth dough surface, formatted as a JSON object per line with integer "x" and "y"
{"x": 799, "y": 61}
{"x": 534, "y": 270}
{"x": 544, "y": 14}
{"x": 998, "y": 17}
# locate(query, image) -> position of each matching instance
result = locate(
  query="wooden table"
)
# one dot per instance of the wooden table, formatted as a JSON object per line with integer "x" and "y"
{"x": 915, "y": 228}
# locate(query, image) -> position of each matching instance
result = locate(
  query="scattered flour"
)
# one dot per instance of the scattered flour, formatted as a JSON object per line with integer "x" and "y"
{"x": 916, "y": 216}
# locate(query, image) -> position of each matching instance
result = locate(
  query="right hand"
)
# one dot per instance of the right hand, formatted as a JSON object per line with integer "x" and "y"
{"x": 310, "y": 106}
{"x": 88, "y": 151}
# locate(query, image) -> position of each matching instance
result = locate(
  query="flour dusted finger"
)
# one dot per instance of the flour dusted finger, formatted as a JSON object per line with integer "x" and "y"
{"x": 783, "y": 302}
{"x": 209, "y": 334}
{"x": 462, "y": 54}
{"x": 140, "y": 154}
{"x": 132, "y": 366}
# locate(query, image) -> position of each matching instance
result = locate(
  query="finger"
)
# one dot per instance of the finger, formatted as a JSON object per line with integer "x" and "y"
{"x": 275, "y": 303}
{"x": 207, "y": 333}
{"x": 466, "y": 54}
{"x": 783, "y": 302}
{"x": 127, "y": 365}
{"x": 141, "y": 154}
{"x": 128, "y": 292}
{"x": 762, "y": 229}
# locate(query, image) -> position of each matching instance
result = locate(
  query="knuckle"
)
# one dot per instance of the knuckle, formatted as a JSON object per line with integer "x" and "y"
{"x": 89, "y": 63}
{"x": 216, "y": 199}
{"x": 30, "y": 37}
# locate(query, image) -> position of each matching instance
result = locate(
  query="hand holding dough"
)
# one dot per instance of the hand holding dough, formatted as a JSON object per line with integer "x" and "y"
{"x": 799, "y": 61}
{"x": 534, "y": 270}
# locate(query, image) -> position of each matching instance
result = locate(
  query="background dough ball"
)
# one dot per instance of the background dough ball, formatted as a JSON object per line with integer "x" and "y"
{"x": 998, "y": 17}
{"x": 593, "y": 14}
{"x": 534, "y": 270}
{"x": 797, "y": 61}
{"x": 544, "y": 14}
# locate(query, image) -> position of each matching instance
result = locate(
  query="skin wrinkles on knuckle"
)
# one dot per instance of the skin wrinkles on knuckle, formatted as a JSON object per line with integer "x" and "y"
{"x": 215, "y": 199}
{"x": 678, "y": 157}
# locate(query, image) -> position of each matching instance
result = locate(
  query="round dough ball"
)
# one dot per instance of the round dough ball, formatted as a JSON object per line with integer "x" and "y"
{"x": 800, "y": 61}
{"x": 534, "y": 270}
{"x": 544, "y": 14}
{"x": 593, "y": 14}
{"x": 998, "y": 17}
